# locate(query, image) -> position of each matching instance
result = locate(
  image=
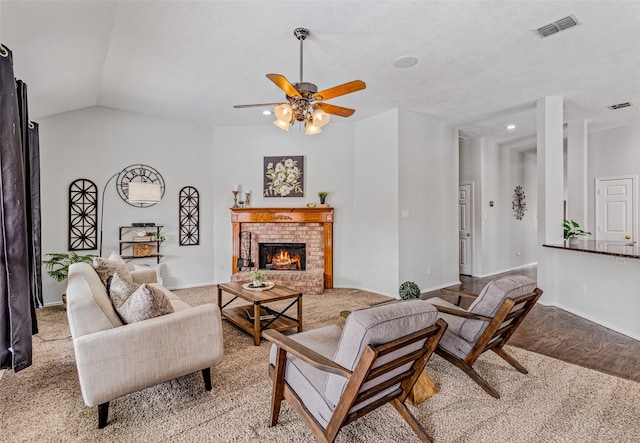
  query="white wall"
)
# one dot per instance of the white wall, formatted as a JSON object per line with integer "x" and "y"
{"x": 428, "y": 190}
{"x": 238, "y": 154}
{"x": 369, "y": 168}
{"x": 376, "y": 203}
{"x": 95, "y": 143}
{"x": 612, "y": 153}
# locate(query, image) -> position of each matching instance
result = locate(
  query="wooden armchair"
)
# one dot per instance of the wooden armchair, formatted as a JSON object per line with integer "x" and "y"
{"x": 332, "y": 377}
{"x": 488, "y": 324}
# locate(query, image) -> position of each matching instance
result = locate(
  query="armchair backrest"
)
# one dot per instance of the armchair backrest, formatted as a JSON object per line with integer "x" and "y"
{"x": 491, "y": 299}
{"x": 377, "y": 325}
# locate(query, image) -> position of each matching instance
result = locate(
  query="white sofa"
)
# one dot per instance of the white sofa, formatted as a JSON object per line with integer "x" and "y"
{"x": 115, "y": 359}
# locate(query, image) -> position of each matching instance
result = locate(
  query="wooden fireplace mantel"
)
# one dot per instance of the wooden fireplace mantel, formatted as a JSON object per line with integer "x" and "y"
{"x": 322, "y": 215}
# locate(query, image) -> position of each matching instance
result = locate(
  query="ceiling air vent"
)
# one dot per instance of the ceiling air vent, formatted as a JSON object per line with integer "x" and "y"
{"x": 619, "y": 106}
{"x": 557, "y": 26}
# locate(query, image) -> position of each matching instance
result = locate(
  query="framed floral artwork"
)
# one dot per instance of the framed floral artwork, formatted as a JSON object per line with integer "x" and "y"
{"x": 283, "y": 176}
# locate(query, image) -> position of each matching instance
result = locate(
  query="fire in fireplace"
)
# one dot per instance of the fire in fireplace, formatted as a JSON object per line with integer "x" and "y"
{"x": 282, "y": 256}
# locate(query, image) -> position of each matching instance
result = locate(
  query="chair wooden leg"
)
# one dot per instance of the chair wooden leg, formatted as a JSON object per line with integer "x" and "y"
{"x": 103, "y": 415}
{"x": 509, "y": 359}
{"x": 411, "y": 420}
{"x": 481, "y": 381}
{"x": 206, "y": 375}
{"x": 278, "y": 386}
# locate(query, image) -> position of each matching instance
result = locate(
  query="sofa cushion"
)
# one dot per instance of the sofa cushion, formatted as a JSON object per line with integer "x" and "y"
{"x": 146, "y": 302}
{"x": 105, "y": 268}
{"x": 89, "y": 308}
{"x": 119, "y": 289}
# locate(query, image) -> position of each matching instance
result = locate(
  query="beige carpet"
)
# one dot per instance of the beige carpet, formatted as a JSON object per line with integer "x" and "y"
{"x": 556, "y": 402}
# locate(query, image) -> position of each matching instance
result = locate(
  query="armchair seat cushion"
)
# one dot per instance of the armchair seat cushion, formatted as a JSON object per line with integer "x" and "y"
{"x": 307, "y": 381}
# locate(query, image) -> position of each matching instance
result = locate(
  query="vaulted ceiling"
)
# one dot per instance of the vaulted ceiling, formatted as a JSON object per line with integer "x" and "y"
{"x": 480, "y": 64}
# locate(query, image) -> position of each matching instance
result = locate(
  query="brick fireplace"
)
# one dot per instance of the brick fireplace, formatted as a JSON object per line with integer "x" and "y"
{"x": 312, "y": 227}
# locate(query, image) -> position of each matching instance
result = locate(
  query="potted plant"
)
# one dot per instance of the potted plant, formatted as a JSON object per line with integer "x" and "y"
{"x": 409, "y": 290}
{"x": 572, "y": 231}
{"x": 58, "y": 265}
{"x": 323, "y": 196}
{"x": 156, "y": 236}
{"x": 257, "y": 278}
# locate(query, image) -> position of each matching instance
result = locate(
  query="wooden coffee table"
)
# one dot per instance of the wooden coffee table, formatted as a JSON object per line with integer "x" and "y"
{"x": 277, "y": 320}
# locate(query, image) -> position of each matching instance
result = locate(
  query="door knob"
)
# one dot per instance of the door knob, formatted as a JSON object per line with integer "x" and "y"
{"x": 468, "y": 234}
{"x": 628, "y": 237}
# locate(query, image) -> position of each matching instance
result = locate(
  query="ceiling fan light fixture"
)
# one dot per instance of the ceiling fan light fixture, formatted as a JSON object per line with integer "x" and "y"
{"x": 282, "y": 125}
{"x": 283, "y": 112}
{"x": 304, "y": 103}
{"x": 320, "y": 118}
{"x": 312, "y": 129}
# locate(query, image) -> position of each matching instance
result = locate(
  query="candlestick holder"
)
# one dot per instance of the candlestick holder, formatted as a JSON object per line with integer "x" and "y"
{"x": 235, "y": 199}
{"x": 247, "y": 199}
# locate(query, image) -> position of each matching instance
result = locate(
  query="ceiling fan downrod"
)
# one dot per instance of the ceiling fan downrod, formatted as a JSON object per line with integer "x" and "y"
{"x": 301, "y": 34}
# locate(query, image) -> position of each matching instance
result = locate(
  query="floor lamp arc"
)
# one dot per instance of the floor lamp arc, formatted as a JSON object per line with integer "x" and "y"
{"x": 138, "y": 185}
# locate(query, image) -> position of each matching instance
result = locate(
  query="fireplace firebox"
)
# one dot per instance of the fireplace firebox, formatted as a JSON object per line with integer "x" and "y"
{"x": 282, "y": 256}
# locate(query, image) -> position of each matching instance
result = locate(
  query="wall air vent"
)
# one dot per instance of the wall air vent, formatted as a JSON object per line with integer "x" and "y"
{"x": 557, "y": 26}
{"x": 619, "y": 106}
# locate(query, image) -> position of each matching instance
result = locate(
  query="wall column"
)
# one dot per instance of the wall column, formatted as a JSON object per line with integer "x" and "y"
{"x": 550, "y": 188}
{"x": 577, "y": 191}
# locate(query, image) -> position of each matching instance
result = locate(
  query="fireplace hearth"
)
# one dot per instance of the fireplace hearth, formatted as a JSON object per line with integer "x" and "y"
{"x": 282, "y": 256}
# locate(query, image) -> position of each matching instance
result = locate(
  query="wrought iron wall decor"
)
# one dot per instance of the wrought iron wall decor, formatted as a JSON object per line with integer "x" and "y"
{"x": 244, "y": 262}
{"x": 137, "y": 172}
{"x": 519, "y": 205}
{"x": 83, "y": 215}
{"x": 189, "y": 203}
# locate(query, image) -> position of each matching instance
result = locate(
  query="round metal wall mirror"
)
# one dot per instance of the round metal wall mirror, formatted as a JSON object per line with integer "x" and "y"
{"x": 137, "y": 173}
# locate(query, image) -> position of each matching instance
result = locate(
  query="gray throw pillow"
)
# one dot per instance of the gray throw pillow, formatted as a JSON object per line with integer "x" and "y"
{"x": 120, "y": 289}
{"x": 146, "y": 302}
{"x": 105, "y": 268}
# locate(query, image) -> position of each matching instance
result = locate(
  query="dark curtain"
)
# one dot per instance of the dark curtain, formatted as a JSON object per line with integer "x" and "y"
{"x": 20, "y": 287}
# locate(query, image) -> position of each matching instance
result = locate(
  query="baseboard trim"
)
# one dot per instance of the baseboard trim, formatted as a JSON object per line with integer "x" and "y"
{"x": 359, "y": 288}
{"x": 435, "y": 288}
{"x": 597, "y": 321}
{"x": 50, "y": 304}
{"x": 195, "y": 285}
{"x": 397, "y": 296}
{"x": 505, "y": 270}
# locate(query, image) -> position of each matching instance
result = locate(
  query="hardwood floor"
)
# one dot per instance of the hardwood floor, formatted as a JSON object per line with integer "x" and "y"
{"x": 557, "y": 333}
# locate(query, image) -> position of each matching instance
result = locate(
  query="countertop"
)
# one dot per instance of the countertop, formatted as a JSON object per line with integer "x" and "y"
{"x": 613, "y": 248}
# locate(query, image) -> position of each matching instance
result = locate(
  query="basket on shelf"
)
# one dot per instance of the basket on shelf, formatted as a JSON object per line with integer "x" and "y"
{"x": 142, "y": 250}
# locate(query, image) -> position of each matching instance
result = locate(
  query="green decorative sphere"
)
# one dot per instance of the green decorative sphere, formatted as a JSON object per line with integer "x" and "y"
{"x": 409, "y": 290}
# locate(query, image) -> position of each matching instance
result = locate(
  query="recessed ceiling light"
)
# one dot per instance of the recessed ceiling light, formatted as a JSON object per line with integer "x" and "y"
{"x": 266, "y": 112}
{"x": 510, "y": 127}
{"x": 405, "y": 62}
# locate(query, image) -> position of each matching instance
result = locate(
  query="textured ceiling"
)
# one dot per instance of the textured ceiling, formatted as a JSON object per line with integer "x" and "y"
{"x": 480, "y": 66}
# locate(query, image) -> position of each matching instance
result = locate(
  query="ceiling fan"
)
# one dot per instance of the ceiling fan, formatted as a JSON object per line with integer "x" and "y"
{"x": 304, "y": 103}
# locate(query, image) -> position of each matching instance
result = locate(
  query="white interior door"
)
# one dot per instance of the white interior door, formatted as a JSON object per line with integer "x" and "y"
{"x": 615, "y": 209}
{"x": 465, "y": 215}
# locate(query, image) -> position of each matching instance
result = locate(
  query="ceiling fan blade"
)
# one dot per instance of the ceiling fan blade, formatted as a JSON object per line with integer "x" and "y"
{"x": 337, "y": 91}
{"x": 257, "y": 105}
{"x": 284, "y": 84}
{"x": 336, "y": 110}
